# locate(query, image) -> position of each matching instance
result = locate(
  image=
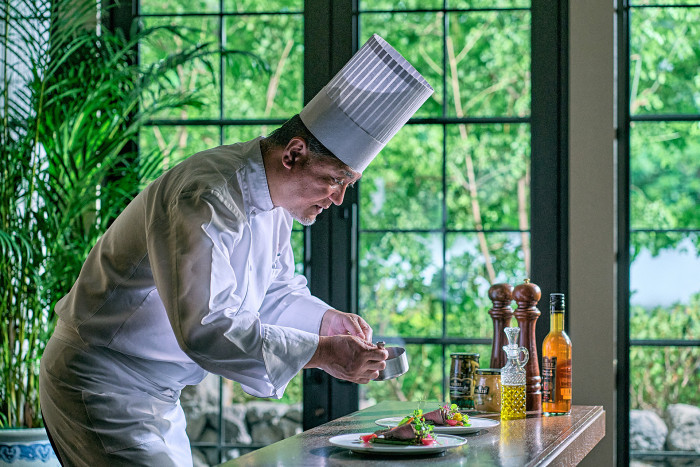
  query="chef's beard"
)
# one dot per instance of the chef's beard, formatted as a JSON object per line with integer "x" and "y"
{"x": 305, "y": 221}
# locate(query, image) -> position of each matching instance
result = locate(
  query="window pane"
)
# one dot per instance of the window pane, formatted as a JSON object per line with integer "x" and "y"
{"x": 664, "y": 287}
{"x": 423, "y": 381}
{"x": 266, "y": 81}
{"x": 241, "y": 133}
{"x": 661, "y": 376}
{"x": 172, "y": 144}
{"x": 664, "y": 61}
{"x": 242, "y": 6}
{"x": 418, "y": 37}
{"x": 402, "y": 188}
{"x": 488, "y": 178}
{"x": 191, "y": 75}
{"x": 298, "y": 248}
{"x": 488, "y": 3}
{"x": 400, "y": 283}
{"x": 483, "y": 80}
{"x": 147, "y": 7}
{"x": 665, "y": 175}
{"x": 468, "y": 278}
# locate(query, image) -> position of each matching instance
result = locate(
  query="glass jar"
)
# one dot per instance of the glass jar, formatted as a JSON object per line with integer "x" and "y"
{"x": 462, "y": 379}
{"x": 487, "y": 393}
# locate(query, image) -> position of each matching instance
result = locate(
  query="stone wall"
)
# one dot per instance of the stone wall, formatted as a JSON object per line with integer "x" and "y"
{"x": 678, "y": 430}
{"x": 254, "y": 424}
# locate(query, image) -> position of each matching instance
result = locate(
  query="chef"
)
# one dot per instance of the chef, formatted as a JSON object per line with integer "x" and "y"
{"x": 196, "y": 275}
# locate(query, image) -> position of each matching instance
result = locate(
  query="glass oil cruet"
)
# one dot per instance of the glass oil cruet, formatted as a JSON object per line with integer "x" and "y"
{"x": 513, "y": 377}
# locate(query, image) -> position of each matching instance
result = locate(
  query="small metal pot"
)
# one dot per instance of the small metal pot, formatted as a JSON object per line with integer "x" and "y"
{"x": 396, "y": 364}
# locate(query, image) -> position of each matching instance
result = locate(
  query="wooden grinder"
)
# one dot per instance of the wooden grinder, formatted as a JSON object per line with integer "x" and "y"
{"x": 501, "y": 295}
{"x": 526, "y": 295}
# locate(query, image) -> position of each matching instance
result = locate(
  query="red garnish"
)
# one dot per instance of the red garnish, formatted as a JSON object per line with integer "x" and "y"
{"x": 427, "y": 441}
{"x": 367, "y": 438}
{"x": 454, "y": 423}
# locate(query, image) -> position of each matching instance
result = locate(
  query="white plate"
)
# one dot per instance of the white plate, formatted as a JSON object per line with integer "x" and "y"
{"x": 353, "y": 442}
{"x": 476, "y": 424}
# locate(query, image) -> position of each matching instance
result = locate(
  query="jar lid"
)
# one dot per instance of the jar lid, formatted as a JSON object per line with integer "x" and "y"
{"x": 464, "y": 354}
{"x": 488, "y": 371}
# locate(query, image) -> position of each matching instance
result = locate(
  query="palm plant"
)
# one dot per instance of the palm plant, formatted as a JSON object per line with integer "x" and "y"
{"x": 70, "y": 98}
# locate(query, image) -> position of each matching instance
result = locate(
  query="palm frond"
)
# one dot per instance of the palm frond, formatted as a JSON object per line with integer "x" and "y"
{"x": 70, "y": 105}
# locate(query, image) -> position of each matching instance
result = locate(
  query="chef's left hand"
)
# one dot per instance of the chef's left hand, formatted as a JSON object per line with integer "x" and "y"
{"x": 336, "y": 322}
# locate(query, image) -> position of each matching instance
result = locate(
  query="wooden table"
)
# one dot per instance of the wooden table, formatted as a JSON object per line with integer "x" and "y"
{"x": 535, "y": 440}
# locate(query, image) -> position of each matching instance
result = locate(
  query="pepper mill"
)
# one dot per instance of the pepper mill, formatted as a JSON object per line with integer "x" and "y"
{"x": 501, "y": 295}
{"x": 526, "y": 295}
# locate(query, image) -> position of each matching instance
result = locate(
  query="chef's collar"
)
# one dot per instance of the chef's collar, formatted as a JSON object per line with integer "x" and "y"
{"x": 257, "y": 195}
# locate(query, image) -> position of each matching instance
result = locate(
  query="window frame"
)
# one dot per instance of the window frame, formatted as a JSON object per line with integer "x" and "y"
{"x": 334, "y": 237}
{"x": 624, "y": 227}
{"x": 330, "y": 36}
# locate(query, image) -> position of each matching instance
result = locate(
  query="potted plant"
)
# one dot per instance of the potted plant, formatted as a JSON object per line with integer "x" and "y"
{"x": 71, "y": 106}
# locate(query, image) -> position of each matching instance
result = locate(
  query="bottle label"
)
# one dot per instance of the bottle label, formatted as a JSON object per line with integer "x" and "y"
{"x": 549, "y": 378}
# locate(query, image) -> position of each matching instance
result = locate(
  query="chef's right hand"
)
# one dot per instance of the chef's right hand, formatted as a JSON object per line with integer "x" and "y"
{"x": 348, "y": 357}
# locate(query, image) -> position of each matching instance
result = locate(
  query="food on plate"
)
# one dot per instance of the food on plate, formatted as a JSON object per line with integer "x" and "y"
{"x": 447, "y": 415}
{"x": 412, "y": 430}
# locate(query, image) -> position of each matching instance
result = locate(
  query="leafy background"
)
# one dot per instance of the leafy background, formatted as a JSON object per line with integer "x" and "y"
{"x": 444, "y": 214}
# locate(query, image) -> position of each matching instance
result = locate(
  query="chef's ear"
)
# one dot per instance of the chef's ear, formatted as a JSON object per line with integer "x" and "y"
{"x": 295, "y": 152}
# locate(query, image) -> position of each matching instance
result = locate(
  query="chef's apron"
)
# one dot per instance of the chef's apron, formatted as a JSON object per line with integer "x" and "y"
{"x": 105, "y": 408}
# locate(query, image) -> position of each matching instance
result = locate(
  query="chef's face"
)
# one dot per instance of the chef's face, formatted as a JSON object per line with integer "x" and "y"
{"x": 317, "y": 182}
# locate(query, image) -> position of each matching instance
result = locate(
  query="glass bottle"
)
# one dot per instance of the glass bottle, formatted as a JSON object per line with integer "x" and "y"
{"x": 556, "y": 362}
{"x": 513, "y": 377}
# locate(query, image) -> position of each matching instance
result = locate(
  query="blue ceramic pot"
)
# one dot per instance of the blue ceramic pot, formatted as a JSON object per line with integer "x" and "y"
{"x": 26, "y": 447}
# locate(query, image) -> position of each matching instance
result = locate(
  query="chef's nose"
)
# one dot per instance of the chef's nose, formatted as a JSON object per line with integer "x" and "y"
{"x": 338, "y": 195}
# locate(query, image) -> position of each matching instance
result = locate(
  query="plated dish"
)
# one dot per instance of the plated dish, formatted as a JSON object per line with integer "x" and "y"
{"x": 353, "y": 442}
{"x": 475, "y": 425}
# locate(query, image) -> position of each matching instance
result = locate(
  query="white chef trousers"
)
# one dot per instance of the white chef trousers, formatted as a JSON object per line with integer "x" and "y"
{"x": 101, "y": 411}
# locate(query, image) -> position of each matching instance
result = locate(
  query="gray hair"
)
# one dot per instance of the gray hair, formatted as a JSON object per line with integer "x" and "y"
{"x": 294, "y": 127}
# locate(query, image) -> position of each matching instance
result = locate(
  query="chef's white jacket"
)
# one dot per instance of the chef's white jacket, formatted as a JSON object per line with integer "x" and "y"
{"x": 197, "y": 274}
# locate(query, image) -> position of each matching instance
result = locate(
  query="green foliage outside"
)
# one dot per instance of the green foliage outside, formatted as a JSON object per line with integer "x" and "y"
{"x": 71, "y": 103}
{"x": 665, "y": 195}
{"x": 425, "y": 270}
{"x": 661, "y": 376}
{"x": 433, "y": 269}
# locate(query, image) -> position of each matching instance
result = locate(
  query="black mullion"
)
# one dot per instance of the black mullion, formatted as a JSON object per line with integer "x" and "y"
{"x": 623, "y": 236}
{"x": 664, "y": 230}
{"x": 665, "y": 118}
{"x": 661, "y": 5}
{"x": 222, "y": 39}
{"x": 436, "y": 340}
{"x": 445, "y": 10}
{"x": 214, "y": 121}
{"x": 414, "y": 121}
{"x": 432, "y": 231}
{"x": 443, "y": 300}
{"x": 549, "y": 153}
{"x": 446, "y": 120}
{"x": 664, "y": 343}
{"x": 222, "y": 48}
{"x": 223, "y": 13}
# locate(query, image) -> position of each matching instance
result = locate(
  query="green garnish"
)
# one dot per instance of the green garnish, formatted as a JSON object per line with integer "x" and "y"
{"x": 417, "y": 415}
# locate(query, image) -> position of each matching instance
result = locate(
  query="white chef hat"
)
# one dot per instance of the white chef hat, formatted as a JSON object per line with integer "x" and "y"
{"x": 366, "y": 103}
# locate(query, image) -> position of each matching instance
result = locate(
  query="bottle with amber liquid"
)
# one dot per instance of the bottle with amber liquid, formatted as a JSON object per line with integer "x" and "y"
{"x": 556, "y": 362}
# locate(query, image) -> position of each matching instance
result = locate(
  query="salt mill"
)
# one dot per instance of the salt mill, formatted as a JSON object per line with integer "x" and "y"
{"x": 526, "y": 295}
{"x": 501, "y": 295}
